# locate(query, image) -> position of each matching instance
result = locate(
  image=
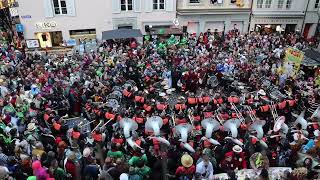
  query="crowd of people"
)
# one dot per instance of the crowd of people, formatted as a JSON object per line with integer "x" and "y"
{"x": 184, "y": 109}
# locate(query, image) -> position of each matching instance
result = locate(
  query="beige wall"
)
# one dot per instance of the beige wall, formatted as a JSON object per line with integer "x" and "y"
{"x": 93, "y": 14}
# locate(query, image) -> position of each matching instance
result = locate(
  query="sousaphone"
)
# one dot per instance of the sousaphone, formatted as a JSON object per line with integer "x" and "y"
{"x": 182, "y": 130}
{"x": 154, "y": 124}
{"x": 281, "y": 125}
{"x": 129, "y": 125}
{"x": 210, "y": 125}
{"x": 257, "y": 126}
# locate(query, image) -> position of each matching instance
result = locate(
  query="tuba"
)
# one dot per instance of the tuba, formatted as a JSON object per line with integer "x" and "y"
{"x": 128, "y": 125}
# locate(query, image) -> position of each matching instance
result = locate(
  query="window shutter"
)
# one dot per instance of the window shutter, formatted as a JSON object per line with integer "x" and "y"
{"x": 71, "y": 8}
{"x": 148, "y": 6}
{"x": 137, "y": 5}
{"x": 116, "y": 6}
{"x": 48, "y": 8}
{"x": 170, "y": 4}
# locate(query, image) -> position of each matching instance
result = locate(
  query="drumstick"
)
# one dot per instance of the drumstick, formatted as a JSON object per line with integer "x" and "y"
{"x": 106, "y": 123}
{"x": 96, "y": 126}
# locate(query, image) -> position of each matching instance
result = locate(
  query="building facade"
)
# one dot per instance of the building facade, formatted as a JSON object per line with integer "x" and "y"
{"x": 312, "y": 17}
{"x": 53, "y": 22}
{"x": 278, "y": 15}
{"x": 216, "y": 15}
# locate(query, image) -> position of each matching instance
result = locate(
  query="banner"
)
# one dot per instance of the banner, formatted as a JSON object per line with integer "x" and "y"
{"x": 293, "y": 57}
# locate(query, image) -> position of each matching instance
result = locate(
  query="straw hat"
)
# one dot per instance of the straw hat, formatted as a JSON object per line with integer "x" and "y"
{"x": 237, "y": 149}
{"x": 186, "y": 161}
{"x": 31, "y": 127}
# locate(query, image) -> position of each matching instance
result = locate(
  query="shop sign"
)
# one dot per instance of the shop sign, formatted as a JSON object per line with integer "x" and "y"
{"x": 26, "y": 17}
{"x": 19, "y": 28}
{"x": 46, "y": 25}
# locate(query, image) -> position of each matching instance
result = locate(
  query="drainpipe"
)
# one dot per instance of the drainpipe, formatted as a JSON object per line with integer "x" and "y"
{"x": 250, "y": 15}
{"x": 304, "y": 17}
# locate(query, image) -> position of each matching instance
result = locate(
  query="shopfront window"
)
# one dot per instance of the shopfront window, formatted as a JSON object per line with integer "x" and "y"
{"x": 126, "y": 5}
{"x": 158, "y": 4}
{"x": 194, "y": 1}
{"x": 259, "y": 3}
{"x": 60, "y": 7}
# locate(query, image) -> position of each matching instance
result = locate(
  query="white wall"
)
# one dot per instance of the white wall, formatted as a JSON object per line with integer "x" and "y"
{"x": 297, "y": 7}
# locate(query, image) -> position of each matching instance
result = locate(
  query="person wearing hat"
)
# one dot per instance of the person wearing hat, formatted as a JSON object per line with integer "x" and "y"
{"x": 259, "y": 160}
{"x": 187, "y": 169}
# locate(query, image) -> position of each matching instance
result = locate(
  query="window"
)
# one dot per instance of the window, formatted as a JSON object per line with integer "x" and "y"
{"x": 280, "y": 4}
{"x": 158, "y": 4}
{"x": 126, "y": 5}
{"x": 316, "y": 5}
{"x": 259, "y": 3}
{"x": 194, "y": 1}
{"x": 82, "y": 31}
{"x": 60, "y": 7}
{"x": 289, "y": 3}
{"x": 268, "y": 3}
{"x": 216, "y": 1}
{"x": 124, "y": 27}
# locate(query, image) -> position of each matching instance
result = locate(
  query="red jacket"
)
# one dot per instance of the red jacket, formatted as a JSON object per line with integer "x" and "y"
{"x": 182, "y": 171}
{"x": 71, "y": 168}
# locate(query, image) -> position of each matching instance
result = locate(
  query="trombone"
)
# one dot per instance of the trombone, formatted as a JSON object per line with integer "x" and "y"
{"x": 274, "y": 111}
{"x": 238, "y": 113}
{"x": 252, "y": 115}
{"x": 218, "y": 116}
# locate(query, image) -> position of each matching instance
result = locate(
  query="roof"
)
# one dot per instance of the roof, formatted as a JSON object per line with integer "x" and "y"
{"x": 121, "y": 34}
{"x": 311, "y": 58}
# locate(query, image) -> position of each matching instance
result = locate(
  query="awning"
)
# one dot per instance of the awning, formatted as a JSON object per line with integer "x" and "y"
{"x": 121, "y": 34}
{"x": 311, "y": 58}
